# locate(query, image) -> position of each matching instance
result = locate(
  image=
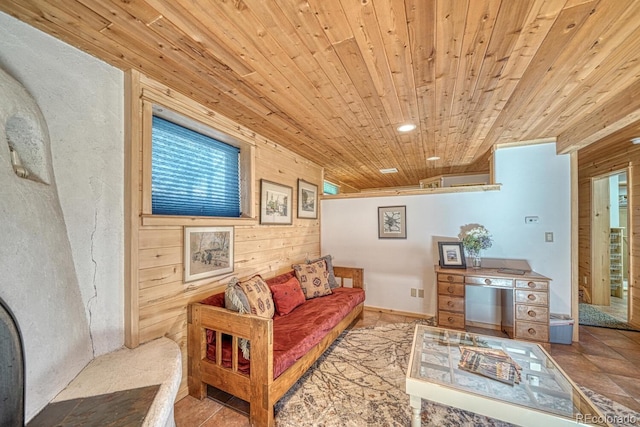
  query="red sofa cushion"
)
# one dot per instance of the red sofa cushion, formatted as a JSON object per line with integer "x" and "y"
{"x": 295, "y": 333}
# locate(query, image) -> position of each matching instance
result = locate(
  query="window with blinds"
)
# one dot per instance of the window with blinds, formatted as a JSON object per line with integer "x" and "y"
{"x": 192, "y": 174}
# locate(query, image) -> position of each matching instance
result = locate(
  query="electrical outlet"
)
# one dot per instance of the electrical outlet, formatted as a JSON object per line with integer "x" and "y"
{"x": 548, "y": 236}
{"x": 420, "y": 293}
{"x": 531, "y": 220}
{"x": 413, "y": 292}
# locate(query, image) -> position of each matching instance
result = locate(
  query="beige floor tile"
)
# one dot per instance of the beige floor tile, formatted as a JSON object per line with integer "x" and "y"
{"x": 191, "y": 412}
{"x": 227, "y": 418}
{"x": 615, "y": 366}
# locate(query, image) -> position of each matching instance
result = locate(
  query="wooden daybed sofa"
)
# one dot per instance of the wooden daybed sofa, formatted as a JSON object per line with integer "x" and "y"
{"x": 279, "y": 355}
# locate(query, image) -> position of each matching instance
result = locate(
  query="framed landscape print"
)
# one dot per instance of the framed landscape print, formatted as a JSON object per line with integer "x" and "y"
{"x": 307, "y": 200}
{"x": 275, "y": 203}
{"x": 452, "y": 255}
{"x": 392, "y": 222}
{"x": 208, "y": 252}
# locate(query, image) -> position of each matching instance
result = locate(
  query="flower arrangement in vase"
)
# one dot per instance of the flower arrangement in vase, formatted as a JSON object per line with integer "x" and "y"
{"x": 475, "y": 238}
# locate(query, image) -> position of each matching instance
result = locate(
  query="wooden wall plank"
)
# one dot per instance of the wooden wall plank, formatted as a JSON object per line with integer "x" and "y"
{"x": 160, "y": 293}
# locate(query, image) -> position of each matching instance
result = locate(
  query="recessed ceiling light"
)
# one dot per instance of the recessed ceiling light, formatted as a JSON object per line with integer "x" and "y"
{"x": 407, "y": 127}
{"x": 389, "y": 170}
{"x": 433, "y": 158}
{"x": 636, "y": 140}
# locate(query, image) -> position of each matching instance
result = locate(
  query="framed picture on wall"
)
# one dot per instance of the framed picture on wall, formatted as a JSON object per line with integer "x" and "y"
{"x": 307, "y": 200}
{"x": 276, "y": 201}
{"x": 392, "y": 222}
{"x": 208, "y": 252}
{"x": 452, "y": 255}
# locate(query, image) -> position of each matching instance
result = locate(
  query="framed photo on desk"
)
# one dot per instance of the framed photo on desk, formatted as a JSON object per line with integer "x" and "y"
{"x": 452, "y": 255}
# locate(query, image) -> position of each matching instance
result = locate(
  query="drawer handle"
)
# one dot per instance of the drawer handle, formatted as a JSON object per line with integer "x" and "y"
{"x": 450, "y": 319}
{"x": 450, "y": 278}
{"x": 531, "y": 297}
{"x": 532, "y": 331}
{"x": 450, "y": 303}
{"x": 487, "y": 281}
{"x": 532, "y": 285}
{"x": 531, "y": 313}
{"x": 450, "y": 289}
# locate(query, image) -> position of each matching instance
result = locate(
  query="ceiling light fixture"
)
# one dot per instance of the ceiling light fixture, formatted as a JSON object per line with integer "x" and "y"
{"x": 636, "y": 140}
{"x": 407, "y": 127}
{"x": 434, "y": 158}
{"x": 389, "y": 170}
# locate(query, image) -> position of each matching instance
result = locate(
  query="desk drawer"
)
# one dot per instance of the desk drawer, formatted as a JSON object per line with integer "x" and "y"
{"x": 455, "y": 304}
{"x": 533, "y": 285}
{"x": 532, "y": 331}
{"x": 489, "y": 281}
{"x": 447, "y": 319}
{"x": 453, "y": 289}
{"x": 450, "y": 278}
{"x": 532, "y": 297}
{"x": 532, "y": 313}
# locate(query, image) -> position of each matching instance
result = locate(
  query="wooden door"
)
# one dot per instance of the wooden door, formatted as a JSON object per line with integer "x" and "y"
{"x": 601, "y": 286}
{"x": 633, "y": 296}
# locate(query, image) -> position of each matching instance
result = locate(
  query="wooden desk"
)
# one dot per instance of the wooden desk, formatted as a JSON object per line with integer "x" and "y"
{"x": 524, "y": 300}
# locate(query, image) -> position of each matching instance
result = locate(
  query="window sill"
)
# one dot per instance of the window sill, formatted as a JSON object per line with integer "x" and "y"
{"x": 202, "y": 221}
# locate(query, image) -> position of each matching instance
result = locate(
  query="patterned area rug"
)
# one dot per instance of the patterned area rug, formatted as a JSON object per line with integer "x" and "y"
{"x": 360, "y": 381}
{"x": 590, "y": 316}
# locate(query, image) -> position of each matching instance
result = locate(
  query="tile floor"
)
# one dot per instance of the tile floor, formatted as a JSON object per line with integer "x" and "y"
{"x": 605, "y": 360}
{"x": 617, "y": 308}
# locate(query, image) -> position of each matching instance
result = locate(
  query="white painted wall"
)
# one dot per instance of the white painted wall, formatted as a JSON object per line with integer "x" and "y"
{"x": 82, "y": 100}
{"x": 535, "y": 182}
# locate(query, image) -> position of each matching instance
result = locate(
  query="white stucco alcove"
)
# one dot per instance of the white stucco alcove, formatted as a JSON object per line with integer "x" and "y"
{"x": 81, "y": 99}
{"x": 38, "y": 279}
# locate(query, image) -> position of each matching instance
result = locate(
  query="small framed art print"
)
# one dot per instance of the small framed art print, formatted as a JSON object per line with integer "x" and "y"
{"x": 307, "y": 200}
{"x": 452, "y": 255}
{"x": 275, "y": 203}
{"x": 392, "y": 222}
{"x": 208, "y": 252}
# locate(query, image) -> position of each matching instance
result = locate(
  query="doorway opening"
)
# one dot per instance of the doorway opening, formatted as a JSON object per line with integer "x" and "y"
{"x": 610, "y": 247}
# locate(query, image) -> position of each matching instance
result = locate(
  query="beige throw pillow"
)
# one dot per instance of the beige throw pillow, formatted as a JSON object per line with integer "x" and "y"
{"x": 259, "y": 296}
{"x": 313, "y": 278}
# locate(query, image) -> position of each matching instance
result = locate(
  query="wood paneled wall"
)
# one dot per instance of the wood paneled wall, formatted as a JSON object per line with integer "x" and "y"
{"x": 157, "y": 297}
{"x": 613, "y": 154}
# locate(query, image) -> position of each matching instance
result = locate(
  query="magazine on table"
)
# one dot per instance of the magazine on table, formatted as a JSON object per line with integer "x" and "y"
{"x": 491, "y": 363}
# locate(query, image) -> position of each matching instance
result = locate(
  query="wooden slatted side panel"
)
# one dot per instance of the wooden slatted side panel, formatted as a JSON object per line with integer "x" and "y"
{"x": 163, "y": 296}
{"x": 615, "y": 153}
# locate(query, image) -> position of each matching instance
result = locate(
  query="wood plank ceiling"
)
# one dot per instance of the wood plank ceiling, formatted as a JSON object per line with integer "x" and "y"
{"x": 332, "y": 79}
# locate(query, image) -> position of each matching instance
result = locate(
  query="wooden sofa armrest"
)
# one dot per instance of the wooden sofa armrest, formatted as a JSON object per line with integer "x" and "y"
{"x": 355, "y": 274}
{"x": 258, "y": 330}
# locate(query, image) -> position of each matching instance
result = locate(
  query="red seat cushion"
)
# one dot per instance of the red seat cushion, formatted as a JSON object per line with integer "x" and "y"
{"x": 297, "y": 332}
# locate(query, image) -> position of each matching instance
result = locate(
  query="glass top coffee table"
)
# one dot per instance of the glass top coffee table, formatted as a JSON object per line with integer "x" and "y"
{"x": 545, "y": 396}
